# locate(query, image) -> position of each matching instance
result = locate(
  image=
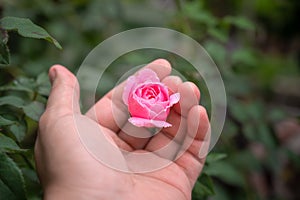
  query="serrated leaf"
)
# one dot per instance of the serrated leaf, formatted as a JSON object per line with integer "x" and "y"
{"x": 26, "y": 28}
{"x": 11, "y": 179}
{"x": 33, "y": 186}
{"x": 11, "y": 100}
{"x": 5, "y": 122}
{"x": 5, "y": 192}
{"x": 34, "y": 110}
{"x": 18, "y": 130}
{"x": 7, "y": 144}
{"x": 30, "y": 174}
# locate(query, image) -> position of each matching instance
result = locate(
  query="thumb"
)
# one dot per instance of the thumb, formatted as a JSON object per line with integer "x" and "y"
{"x": 64, "y": 95}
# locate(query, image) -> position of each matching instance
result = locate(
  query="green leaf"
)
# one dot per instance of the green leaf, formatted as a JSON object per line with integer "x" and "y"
{"x": 3, "y": 36}
{"x": 34, "y": 110}
{"x": 11, "y": 100}
{"x": 15, "y": 88}
{"x": 4, "y": 54}
{"x": 265, "y": 136}
{"x": 218, "y": 34}
{"x": 24, "y": 84}
{"x": 30, "y": 174}
{"x": 203, "y": 187}
{"x": 26, "y": 28}
{"x": 240, "y": 22}
{"x": 214, "y": 157}
{"x": 7, "y": 144}
{"x": 226, "y": 172}
{"x": 11, "y": 179}
{"x": 244, "y": 56}
{"x": 5, "y": 192}
{"x": 238, "y": 111}
{"x": 18, "y": 130}
{"x": 5, "y": 122}
{"x": 33, "y": 186}
{"x": 250, "y": 131}
{"x": 194, "y": 11}
{"x": 216, "y": 50}
{"x": 43, "y": 84}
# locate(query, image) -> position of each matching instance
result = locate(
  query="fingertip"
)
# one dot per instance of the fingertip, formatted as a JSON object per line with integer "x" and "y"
{"x": 64, "y": 91}
{"x": 162, "y": 62}
{"x": 172, "y": 82}
{"x": 192, "y": 87}
{"x": 60, "y": 73}
{"x": 53, "y": 72}
{"x": 161, "y": 67}
{"x": 189, "y": 97}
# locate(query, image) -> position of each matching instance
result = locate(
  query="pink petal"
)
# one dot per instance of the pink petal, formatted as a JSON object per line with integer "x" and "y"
{"x": 141, "y": 122}
{"x": 146, "y": 75}
{"x": 136, "y": 108}
{"x": 158, "y": 112}
{"x": 174, "y": 98}
{"x": 143, "y": 76}
{"x": 130, "y": 83}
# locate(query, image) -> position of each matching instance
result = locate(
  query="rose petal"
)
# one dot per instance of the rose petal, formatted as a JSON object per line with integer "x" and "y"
{"x": 130, "y": 83}
{"x": 141, "y": 122}
{"x": 174, "y": 98}
{"x": 158, "y": 112}
{"x": 137, "y": 108}
{"x": 146, "y": 75}
{"x": 143, "y": 76}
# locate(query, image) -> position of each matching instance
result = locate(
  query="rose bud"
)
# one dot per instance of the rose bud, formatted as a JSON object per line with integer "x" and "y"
{"x": 148, "y": 100}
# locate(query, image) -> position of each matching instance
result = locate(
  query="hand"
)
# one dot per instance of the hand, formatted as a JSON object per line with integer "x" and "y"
{"x": 68, "y": 171}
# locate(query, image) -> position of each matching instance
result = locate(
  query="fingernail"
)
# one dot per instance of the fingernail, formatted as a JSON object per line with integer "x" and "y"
{"x": 52, "y": 74}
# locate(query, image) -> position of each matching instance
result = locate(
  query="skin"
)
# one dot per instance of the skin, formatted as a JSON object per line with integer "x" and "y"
{"x": 68, "y": 171}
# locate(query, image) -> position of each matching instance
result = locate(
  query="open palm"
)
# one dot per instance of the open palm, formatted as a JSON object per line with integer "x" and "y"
{"x": 67, "y": 169}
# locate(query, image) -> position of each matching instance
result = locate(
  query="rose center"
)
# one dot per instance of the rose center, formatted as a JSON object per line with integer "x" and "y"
{"x": 149, "y": 93}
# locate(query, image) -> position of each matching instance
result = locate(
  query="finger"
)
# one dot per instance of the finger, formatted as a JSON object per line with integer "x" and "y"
{"x": 178, "y": 124}
{"x": 167, "y": 143}
{"x": 195, "y": 147}
{"x": 172, "y": 82}
{"x": 189, "y": 96}
{"x": 64, "y": 95}
{"x": 110, "y": 111}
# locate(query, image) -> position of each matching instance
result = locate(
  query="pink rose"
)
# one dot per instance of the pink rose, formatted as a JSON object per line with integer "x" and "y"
{"x": 148, "y": 100}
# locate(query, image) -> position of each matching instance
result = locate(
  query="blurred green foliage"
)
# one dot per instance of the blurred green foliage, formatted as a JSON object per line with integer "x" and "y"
{"x": 254, "y": 43}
